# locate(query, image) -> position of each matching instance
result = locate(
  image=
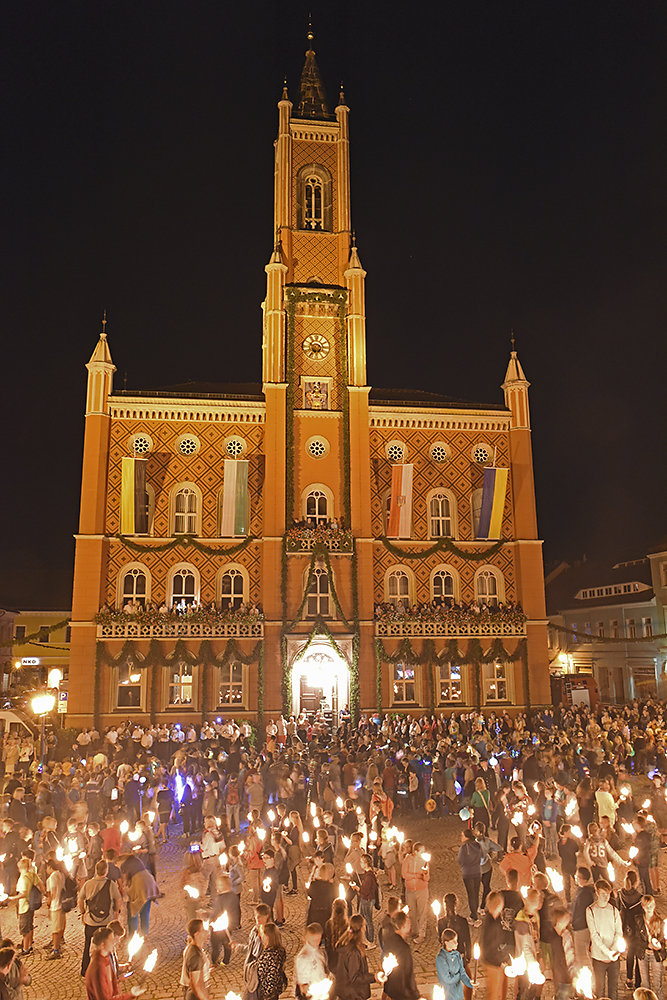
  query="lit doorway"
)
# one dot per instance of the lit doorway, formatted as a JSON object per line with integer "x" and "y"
{"x": 320, "y": 681}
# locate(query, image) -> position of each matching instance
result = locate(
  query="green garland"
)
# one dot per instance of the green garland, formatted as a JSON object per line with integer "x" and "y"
{"x": 97, "y": 683}
{"x": 260, "y": 689}
{"x": 291, "y": 296}
{"x": 431, "y": 687}
{"x": 405, "y": 653}
{"x": 379, "y": 648}
{"x": 154, "y": 660}
{"x": 318, "y": 552}
{"x": 356, "y": 642}
{"x": 442, "y": 545}
{"x": 187, "y": 541}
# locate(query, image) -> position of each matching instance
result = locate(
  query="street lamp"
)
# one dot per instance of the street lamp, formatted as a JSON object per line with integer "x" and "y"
{"x": 41, "y": 705}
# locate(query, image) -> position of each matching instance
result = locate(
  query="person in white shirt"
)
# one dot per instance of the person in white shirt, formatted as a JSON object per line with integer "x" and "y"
{"x": 310, "y": 964}
{"x": 55, "y": 883}
{"x": 604, "y": 925}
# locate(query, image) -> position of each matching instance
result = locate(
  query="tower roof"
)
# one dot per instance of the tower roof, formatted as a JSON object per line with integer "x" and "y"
{"x": 312, "y": 97}
{"x": 102, "y": 355}
{"x": 514, "y": 371}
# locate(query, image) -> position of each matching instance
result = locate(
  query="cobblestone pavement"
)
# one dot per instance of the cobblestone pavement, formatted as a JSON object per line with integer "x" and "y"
{"x": 60, "y": 980}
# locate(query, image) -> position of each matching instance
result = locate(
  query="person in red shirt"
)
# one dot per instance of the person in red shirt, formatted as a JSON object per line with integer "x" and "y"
{"x": 101, "y": 981}
{"x": 110, "y": 835}
{"x": 520, "y": 860}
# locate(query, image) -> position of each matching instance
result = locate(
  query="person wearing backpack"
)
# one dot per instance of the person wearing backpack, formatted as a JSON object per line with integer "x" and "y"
{"x": 29, "y": 890}
{"x": 99, "y": 904}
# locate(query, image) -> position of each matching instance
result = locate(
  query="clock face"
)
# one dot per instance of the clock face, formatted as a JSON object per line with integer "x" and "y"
{"x": 316, "y": 346}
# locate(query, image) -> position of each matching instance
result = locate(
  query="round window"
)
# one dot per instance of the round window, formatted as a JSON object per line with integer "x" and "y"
{"x": 481, "y": 454}
{"x": 235, "y": 446}
{"x": 141, "y": 443}
{"x": 439, "y": 451}
{"x": 395, "y": 451}
{"x": 188, "y": 444}
{"x": 317, "y": 447}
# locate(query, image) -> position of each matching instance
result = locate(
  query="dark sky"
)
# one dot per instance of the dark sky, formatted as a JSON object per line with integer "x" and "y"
{"x": 508, "y": 170}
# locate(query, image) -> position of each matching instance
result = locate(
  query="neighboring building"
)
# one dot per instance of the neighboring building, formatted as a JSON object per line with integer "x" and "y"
{"x": 48, "y": 647}
{"x": 193, "y": 497}
{"x": 606, "y": 619}
{"x": 7, "y": 618}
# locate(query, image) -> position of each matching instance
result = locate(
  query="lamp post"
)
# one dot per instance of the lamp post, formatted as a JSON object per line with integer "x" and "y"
{"x": 41, "y": 705}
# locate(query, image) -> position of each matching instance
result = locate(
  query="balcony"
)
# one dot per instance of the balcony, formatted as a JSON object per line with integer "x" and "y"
{"x": 450, "y": 622}
{"x": 199, "y": 624}
{"x": 304, "y": 539}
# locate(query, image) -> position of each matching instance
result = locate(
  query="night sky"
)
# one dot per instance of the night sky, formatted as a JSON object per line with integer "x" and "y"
{"x": 508, "y": 170}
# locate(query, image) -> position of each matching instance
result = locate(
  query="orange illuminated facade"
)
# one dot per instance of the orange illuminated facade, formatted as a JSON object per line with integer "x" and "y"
{"x": 305, "y": 604}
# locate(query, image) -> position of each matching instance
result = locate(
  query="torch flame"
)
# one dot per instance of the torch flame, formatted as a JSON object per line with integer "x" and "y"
{"x": 149, "y": 964}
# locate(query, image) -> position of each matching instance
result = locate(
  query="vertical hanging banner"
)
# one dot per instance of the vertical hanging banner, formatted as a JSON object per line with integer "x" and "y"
{"x": 133, "y": 502}
{"x": 493, "y": 503}
{"x": 235, "y": 498}
{"x": 400, "y": 509}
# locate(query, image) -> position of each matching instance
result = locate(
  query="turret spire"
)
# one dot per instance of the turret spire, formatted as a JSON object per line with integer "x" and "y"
{"x": 312, "y": 97}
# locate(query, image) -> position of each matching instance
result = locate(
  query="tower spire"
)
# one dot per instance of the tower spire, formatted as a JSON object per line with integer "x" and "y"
{"x": 312, "y": 97}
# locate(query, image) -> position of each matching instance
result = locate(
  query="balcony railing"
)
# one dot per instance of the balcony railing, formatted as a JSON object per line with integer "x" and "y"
{"x": 303, "y": 539}
{"x": 180, "y": 628}
{"x": 445, "y": 629}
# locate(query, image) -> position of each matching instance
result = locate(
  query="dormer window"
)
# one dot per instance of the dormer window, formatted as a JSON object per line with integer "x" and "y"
{"x": 312, "y": 203}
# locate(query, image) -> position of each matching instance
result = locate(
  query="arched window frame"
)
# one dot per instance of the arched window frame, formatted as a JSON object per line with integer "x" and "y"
{"x": 328, "y": 493}
{"x": 234, "y": 568}
{"x": 317, "y": 171}
{"x": 126, "y": 570}
{"x": 453, "y": 511}
{"x": 320, "y": 602}
{"x": 175, "y": 571}
{"x": 195, "y": 517}
{"x": 394, "y": 598}
{"x": 456, "y": 581}
{"x": 500, "y": 585}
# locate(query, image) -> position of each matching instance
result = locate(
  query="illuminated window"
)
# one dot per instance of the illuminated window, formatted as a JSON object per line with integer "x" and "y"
{"x": 442, "y": 587}
{"x": 450, "y": 683}
{"x": 184, "y": 587}
{"x": 313, "y": 200}
{"x": 403, "y": 683}
{"x": 134, "y": 586}
{"x": 317, "y": 507}
{"x": 232, "y": 587}
{"x": 495, "y": 682}
{"x": 398, "y": 588}
{"x": 186, "y": 511}
{"x": 440, "y": 516}
{"x": 487, "y": 587}
{"x": 231, "y": 685}
{"x": 180, "y": 684}
{"x": 318, "y": 595}
{"x": 128, "y": 690}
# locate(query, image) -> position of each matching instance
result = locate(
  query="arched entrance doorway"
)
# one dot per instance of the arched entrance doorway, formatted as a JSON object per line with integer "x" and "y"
{"x": 320, "y": 679}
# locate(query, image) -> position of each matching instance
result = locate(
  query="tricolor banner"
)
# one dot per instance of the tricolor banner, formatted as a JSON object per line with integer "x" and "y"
{"x": 133, "y": 500}
{"x": 235, "y": 498}
{"x": 493, "y": 503}
{"x": 400, "y": 510}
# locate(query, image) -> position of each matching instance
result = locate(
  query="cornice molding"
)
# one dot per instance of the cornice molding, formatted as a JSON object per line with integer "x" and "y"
{"x": 190, "y": 410}
{"x": 438, "y": 419}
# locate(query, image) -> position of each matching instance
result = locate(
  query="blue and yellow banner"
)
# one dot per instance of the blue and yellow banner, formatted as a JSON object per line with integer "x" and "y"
{"x": 493, "y": 503}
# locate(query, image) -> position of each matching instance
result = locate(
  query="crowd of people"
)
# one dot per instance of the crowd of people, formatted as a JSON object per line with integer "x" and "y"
{"x": 564, "y": 809}
{"x": 447, "y": 610}
{"x": 190, "y": 609}
{"x": 311, "y": 531}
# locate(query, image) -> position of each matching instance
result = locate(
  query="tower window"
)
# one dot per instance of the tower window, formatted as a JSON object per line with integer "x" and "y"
{"x": 317, "y": 507}
{"x": 313, "y": 216}
{"x": 318, "y": 595}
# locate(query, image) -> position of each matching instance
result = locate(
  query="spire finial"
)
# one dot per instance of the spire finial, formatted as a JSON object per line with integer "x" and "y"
{"x": 341, "y": 95}
{"x": 104, "y": 324}
{"x": 310, "y": 34}
{"x": 512, "y": 340}
{"x": 285, "y": 94}
{"x": 354, "y": 239}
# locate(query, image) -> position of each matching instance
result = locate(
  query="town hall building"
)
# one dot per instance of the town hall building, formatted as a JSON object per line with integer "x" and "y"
{"x": 310, "y": 542}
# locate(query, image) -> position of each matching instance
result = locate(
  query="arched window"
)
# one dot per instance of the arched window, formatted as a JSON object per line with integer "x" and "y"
{"x": 489, "y": 586}
{"x": 443, "y": 590}
{"x": 317, "y": 507}
{"x": 441, "y": 514}
{"x": 230, "y": 691}
{"x": 180, "y": 683}
{"x": 476, "y": 507}
{"x": 186, "y": 509}
{"x": 232, "y": 588}
{"x": 398, "y": 587}
{"x": 184, "y": 586}
{"x": 313, "y": 217}
{"x": 134, "y": 585}
{"x": 318, "y": 594}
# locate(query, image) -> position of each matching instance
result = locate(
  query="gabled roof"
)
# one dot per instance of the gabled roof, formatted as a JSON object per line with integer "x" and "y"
{"x": 562, "y": 588}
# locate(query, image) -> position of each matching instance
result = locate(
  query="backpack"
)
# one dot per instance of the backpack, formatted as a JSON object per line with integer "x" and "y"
{"x": 68, "y": 896}
{"x": 232, "y": 797}
{"x": 99, "y": 905}
{"x": 34, "y": 898}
